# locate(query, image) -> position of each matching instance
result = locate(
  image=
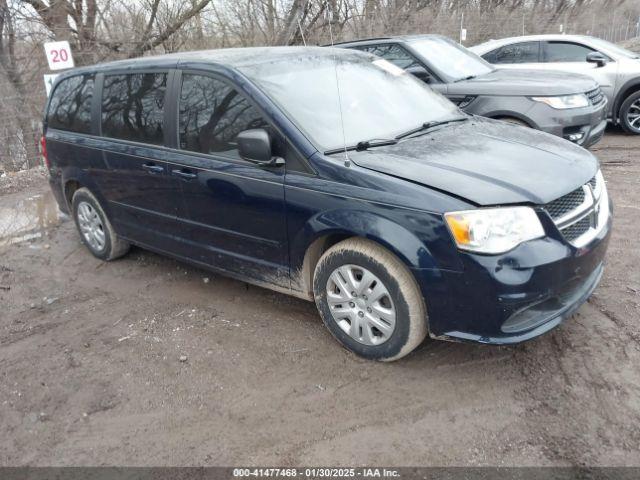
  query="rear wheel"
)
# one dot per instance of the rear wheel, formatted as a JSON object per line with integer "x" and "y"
{"x": 630, "y": 114}
{"x": 96, "y": 231}
{"x": 369, "y": 300}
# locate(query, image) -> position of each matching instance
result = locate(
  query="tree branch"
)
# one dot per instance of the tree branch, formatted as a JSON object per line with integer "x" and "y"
{"x": 170, "y": 30}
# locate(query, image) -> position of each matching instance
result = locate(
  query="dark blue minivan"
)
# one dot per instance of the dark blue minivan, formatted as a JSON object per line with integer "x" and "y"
{"x": 332, "y": 175}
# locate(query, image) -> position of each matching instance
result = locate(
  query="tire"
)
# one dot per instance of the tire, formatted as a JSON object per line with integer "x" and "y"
{"x": 93, "y": 226}
{"x": 631, "y": 108}
{"x": 350, "y": 319}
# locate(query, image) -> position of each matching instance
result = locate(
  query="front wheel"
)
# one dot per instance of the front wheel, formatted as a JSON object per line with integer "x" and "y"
{"x": 369, "y": 300}
{"x": 630, "y": 114}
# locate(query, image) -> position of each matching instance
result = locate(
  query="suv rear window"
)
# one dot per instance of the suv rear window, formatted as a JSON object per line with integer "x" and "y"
{"x": 70, "y": 107}
{"x": 133, "y": 107}
{"x": 523, "y": 52}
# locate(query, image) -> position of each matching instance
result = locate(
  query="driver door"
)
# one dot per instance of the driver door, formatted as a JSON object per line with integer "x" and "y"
{"x": 571, "y": 57}
{"x": 235, "y": 210}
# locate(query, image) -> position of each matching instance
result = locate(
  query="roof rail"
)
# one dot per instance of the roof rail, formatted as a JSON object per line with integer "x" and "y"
{"x": 359, "y": 40}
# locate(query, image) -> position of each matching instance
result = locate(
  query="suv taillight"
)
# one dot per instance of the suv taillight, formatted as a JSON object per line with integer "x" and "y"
{"x": 43, "y": 151}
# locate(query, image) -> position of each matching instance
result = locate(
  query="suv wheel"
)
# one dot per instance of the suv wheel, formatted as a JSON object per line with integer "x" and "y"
{"x": 630, "y": 113}
{"x": 369, "y": 300}
{"x": 96, "y": 231}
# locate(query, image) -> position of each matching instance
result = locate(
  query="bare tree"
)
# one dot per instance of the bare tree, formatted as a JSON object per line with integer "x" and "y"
{"x": 19, "y": 136}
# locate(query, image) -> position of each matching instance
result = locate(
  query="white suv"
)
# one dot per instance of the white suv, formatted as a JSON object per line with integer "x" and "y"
{"x": 616, "y": 69}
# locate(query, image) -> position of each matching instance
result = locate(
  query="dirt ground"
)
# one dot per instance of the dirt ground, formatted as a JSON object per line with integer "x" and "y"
{"x": 91, "y": 370}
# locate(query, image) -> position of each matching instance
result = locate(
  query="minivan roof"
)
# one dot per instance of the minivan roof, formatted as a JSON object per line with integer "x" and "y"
{"x": 228, "y": 57}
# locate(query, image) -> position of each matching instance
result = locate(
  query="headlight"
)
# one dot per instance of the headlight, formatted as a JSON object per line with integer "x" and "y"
{"x": 494, "y": 230}
{"x": 562, "y": 102}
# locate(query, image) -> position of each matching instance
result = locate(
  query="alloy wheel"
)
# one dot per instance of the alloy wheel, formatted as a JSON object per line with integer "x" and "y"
{"x": 91, "y": 226}
{"x": 633, "y": 115}
{"x": 361, "y": 304}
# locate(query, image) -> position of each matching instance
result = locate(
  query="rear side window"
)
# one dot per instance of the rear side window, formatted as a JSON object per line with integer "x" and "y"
{"x": 566, "y": 52}
{"x": 392, "y": 53}
{"x": 524, "y": 52}
{"x": 212, "y": 114}
{"x": 133, "y": 107}
{"x": 70, "y": 107}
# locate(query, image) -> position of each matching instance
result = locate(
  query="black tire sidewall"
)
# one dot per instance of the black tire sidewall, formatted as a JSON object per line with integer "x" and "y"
{"x": 623, "y": 113}
{"x": 400, "y": 336}
{"x": 83, "y": 196}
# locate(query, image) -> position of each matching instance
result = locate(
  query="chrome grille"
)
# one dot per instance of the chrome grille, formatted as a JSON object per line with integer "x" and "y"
{"x": 580, "y": 214}
{"x": 563, "y": 205}
{"x": 577, "y": 229}
{"x": 595, "y": 96}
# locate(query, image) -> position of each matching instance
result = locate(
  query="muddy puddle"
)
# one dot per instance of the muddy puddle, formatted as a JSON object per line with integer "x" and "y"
{"x": 28, "y": 218}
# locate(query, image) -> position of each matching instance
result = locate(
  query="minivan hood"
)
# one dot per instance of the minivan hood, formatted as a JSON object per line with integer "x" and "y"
{"x": 524, "y": 82}
{"x": 486, "y": 162}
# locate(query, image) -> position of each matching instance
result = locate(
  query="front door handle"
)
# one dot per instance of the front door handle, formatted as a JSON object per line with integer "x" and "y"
{"x": 152, "y": 168}
{"x": 184, "y": 173}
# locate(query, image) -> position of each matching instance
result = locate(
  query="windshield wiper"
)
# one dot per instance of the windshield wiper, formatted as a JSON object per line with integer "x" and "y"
{"x": 364, "y": 145}
{"x": 376, "y": 142}
{"x": 470, "y": 77}
{"x": 428, "y": 125}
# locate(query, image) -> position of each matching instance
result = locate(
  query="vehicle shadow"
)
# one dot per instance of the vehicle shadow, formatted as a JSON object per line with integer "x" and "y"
{"x": 302, "y": 314}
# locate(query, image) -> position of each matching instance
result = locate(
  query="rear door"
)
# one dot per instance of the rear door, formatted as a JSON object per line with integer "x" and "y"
{"x": 235, "y": 211}
{"x": 143, "y": 198}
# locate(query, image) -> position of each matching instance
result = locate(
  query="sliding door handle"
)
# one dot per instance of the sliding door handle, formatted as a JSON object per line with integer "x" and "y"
{"x": 152, "y": 168}
{"x": 184, "y": 173}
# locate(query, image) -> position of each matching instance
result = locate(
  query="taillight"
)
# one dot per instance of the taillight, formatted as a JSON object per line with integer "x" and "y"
{"x": 43, "y": 151}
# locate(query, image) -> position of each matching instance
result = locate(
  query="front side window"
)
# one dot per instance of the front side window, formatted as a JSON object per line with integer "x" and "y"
{"x": 133, "y": 107}
{"x": 612, "y": 48}
{"x": 392, "y": 53}
{"x": 451, "y": 60}
{"x": 525, "y": 52}
{"x": 212, "y": 114}
{"x": 566, "y": 52}
{"x": 345, "y": 96}
{"x": 70, "y": 107}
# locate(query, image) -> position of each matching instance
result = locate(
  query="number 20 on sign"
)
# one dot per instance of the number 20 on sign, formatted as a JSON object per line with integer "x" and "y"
{"x": 58, "y": 55}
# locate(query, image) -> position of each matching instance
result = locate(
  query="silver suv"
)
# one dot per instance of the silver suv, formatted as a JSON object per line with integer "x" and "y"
{"x": 567, "y": 105}
{"x": 616, "y": 69}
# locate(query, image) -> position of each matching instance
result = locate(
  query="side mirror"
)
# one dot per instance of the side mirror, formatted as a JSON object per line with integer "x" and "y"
{"x": 420, "y": 73}
{"x": 596, "y": 57}
{"x": 255, "y": 146}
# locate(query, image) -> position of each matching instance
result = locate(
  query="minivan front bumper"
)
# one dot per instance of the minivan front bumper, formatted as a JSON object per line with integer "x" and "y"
{"x": 514, "y": 297}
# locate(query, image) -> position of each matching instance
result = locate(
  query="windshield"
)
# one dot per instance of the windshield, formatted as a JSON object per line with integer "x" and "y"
{"x": 613, "y": 48}
{"x": 378, "y": 99}
{"x": 450, "y": 58}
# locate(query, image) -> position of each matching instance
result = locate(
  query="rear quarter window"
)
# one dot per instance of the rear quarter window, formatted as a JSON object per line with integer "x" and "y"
{"x": 133, "y": 107}
{"x": 70, "y": 106}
